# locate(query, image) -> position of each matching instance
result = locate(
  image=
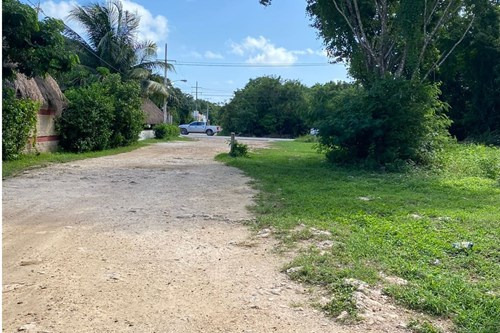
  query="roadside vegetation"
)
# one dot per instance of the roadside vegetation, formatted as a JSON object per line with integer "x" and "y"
{"x": 105, "y": 74}
{"x": 412, "y": 225}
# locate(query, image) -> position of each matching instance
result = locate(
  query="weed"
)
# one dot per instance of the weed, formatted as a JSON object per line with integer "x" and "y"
{"x": 417, "y": 326}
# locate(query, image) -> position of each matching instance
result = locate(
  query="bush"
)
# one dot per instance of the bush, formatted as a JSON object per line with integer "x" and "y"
{"x": 392, "y": 123}
{"x": 103, "y": 115}
{"x": 238, "y": 149}
{"x": 18, "y": 123}
{"x": 85, "y": 125}
{"x": 166, "y": 131}
{"x": 128, "y": 116}
{"x": 471, "y": 160}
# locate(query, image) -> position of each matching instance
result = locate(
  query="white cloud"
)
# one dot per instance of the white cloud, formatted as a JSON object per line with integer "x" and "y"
{"x": 261, "y": 51}
{"x": 195, "y": 54}
{"x": 151, "y": 27}
{"x": 60, "y": 10}
{"x": 213, "y": 55}
{"x": 154, "y": 28}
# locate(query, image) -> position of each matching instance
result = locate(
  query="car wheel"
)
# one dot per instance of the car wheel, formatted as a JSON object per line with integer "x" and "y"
{"x": 184, "y": 131}
{"x": 210, "y": 132}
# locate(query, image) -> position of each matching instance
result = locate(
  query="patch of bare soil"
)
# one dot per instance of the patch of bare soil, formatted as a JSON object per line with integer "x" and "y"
{"x": 147, "y": 241}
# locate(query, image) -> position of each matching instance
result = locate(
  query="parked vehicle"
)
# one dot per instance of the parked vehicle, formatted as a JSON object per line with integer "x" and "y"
{"x": 199, "y": 127}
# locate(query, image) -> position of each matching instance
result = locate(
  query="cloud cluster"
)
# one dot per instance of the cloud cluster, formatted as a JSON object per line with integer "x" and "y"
{"x": 154, "y": 28}
{"x": 213, "y": 55}
{"x": 151, "y": 27}
{"x": 261, "y": 51}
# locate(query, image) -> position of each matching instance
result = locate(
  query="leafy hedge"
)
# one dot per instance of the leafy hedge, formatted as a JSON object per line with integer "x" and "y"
{"x": 18, "y": 123}
{"x": 166, "y": 131}
{"x": 103, "y": 115}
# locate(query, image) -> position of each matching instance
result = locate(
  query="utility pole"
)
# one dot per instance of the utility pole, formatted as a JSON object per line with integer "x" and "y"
{"x": 165, "y": 82}
{"x": 208, "y": 121}
{"x": 196, "y": 98}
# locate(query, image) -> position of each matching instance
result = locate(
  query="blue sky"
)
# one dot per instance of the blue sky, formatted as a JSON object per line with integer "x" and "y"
{"x": 227, "y": 31}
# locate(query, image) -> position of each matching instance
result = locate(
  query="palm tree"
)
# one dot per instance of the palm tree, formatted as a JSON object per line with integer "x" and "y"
{"x": 112, "y": 43}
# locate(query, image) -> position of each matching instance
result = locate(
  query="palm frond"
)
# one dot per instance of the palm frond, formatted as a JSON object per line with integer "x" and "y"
{"x": 152, "y": 87}
{"x": 139, "y": 74}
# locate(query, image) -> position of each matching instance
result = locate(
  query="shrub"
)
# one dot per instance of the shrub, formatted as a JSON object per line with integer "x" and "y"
{"x": 18, "y": 123}
{"x": 86, "y": 123}
{"x": 471, "y": 160}
{"x": 238, "y": 149}
{"x": 128, "y": 115}
{"x": 105, "y": 114}
{"x": 166, "y": 131}
{"x": 392, "y": 123}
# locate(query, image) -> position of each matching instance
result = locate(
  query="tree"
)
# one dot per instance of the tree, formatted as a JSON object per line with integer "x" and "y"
{"x": 267, "y": 106}
{"x": 387, "y": 37}
{"x": 29, "y": 46}
{"x": 471, "y": 76}
{"x": 111, "y": 42}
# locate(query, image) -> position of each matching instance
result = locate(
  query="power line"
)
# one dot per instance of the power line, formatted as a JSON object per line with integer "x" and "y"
{"x": 245, "y": 64}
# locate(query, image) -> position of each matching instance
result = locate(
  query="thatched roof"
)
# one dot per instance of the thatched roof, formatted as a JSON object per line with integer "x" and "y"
{"x": 45, "y": 90}
{"x": 153, "y": 113}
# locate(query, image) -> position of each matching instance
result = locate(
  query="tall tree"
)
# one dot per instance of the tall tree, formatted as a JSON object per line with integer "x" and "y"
{"x": 471, "y": 76}
{"x": 29, "y": 46}
{"x": 267, "y": 106}
{"x": 387, "y": 37}
{"x": 111, "y": 34}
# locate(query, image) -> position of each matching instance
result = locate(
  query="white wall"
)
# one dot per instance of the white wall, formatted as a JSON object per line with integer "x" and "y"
{"x": 146, "y": 134}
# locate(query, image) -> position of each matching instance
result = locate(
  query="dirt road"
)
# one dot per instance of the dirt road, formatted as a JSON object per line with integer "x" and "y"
{"x": 147, "y": 241}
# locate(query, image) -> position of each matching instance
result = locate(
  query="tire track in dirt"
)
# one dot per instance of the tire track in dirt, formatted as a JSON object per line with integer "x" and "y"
{"x": 147, "y": 241}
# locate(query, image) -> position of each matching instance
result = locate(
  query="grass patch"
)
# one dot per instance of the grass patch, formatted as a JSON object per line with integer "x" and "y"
{"x": 32, "y": 161}
{"x": 403, "y": 224}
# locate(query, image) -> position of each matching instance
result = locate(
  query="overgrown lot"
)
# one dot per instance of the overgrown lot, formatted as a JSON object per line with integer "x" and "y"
{"x": 402, "y": 224}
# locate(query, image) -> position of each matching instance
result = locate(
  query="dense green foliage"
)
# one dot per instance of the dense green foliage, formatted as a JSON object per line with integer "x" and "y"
{"x": 387, "y": 37}
{"x": 102, "y": 115}
{"x": 453, "y": 41}
{"x": 393, "y": 122}
{"x": 18, "y": 123}
{"x": 166, "y": 131}
{"x": 267, "y": 106}
{"x": 129, "y": 118}
{"x": 30, "y": 46}
{"x": 471, "y": 76}
{"x": 401, "y": 224}
{"x": 85, "y": 125}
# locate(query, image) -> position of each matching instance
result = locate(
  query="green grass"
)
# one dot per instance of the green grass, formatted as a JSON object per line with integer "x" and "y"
{"x": 31, "y": 161}
{"x": 406, "y": 228}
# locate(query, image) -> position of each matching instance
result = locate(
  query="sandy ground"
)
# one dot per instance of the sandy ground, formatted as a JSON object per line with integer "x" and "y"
{"x": 147, "y": 241}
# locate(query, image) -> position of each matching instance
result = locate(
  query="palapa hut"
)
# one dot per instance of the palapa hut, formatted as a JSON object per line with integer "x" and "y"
{"x": 47, "y": 92}
{"x": 154, "y": 115}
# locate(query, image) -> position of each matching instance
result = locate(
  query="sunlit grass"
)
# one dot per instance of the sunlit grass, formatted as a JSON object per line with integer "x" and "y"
{"x": 403, "y": 224}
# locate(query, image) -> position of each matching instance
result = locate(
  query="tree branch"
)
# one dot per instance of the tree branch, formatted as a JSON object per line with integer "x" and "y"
{"x": 443, "y": 59}
{"x": 428, "y": 39}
